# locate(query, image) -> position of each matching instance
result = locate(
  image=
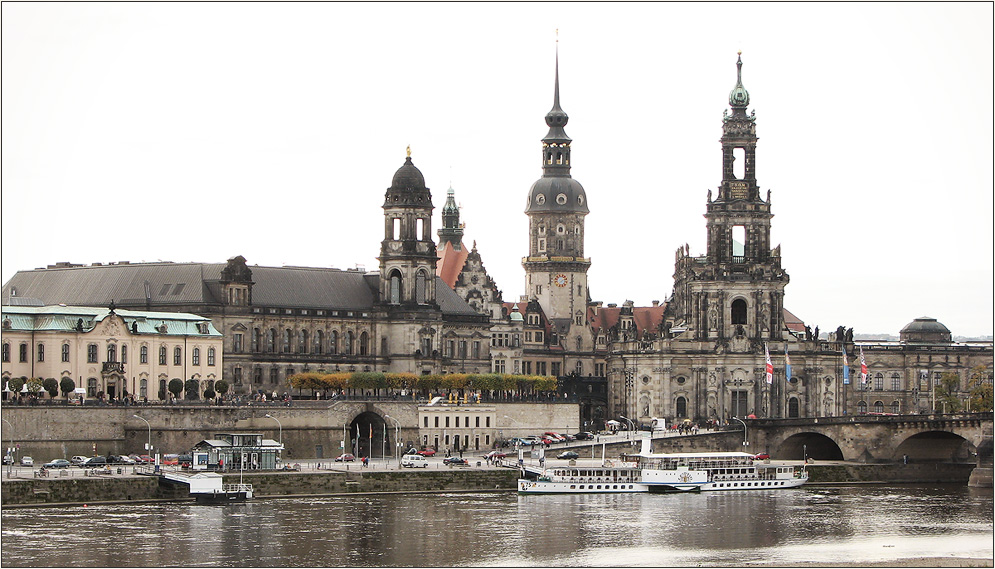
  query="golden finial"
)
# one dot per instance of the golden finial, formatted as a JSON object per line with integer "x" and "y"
{"x": 740, "y": 52}
{"x": 557, "y": 35}
{"x": 409, "y": 151}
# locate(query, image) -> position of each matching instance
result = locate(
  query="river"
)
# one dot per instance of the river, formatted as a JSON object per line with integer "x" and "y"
{"x": 835, "y": 525}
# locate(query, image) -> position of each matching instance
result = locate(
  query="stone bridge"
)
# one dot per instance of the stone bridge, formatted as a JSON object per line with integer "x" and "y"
{"x": 875, "y": 438}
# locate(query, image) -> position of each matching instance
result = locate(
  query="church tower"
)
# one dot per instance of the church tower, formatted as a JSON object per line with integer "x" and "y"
{"x": 737, "y": 290}
{"x": 556, "y": 269}
{"x": 407, "y": 252}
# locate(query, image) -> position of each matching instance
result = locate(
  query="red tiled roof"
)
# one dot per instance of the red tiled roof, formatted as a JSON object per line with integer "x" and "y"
{"x": 451, "y": 263}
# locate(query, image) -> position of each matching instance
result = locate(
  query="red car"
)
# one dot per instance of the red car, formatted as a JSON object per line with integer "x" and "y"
{"x": 761, "y": 456}
{"x": 345, "y": 458}
{"x": 496, "y": 454}
{"x": 427, "y": 452}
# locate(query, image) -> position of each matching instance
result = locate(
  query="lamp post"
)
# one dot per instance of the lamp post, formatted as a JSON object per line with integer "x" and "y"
{"x": 632, "y": 426}
{"x": 10, "y": 449}
{"x": 745, "y": 443}
{"x": 397, "y": 435}
{"x": 148, "y": 445}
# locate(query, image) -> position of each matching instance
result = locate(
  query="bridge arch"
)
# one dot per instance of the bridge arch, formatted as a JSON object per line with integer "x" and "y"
{"x": 370, "y": 436}
{"x": 810, "y": 444}
{"x": 936, "y": 446}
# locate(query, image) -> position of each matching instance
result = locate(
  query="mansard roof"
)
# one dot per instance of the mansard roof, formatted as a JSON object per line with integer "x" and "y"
{"x": 68, "y": 319}
{"x": 643, "y": 317}
{"x": 200, "y": 284}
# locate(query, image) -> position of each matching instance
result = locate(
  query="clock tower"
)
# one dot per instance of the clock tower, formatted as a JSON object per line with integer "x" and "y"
{"x": 556, "y": 269}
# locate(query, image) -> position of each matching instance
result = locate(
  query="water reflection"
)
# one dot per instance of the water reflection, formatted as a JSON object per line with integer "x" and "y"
{"x": 846, "y": 525}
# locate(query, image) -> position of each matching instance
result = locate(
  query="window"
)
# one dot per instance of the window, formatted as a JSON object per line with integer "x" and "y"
{"x": 364, "y": 344}
{"x": 196, "y": 356}
{"x": 426, "y": 346}
{"x": 143, "y": 355}
{"x": 395, "y": 288}
{"x": 862, "y": 407}
{"x": 350, "y": 339}
{"x": 257, "y": 375}
{"x": 682, "y": 407}
{"x": 254, "y": 340}
{"x": 540, "y": 368}
{"x": 896, "y": 381}
{"x": 41, "y": 352}
{"x": 879, "y": 407}
{"x": 236, "y": 343}
{"x": 285, "y": 344}
{"x": 476, "y": 350}
{"x": 23, "y": 353}
{"x": 333, "y": 342}
{"x": 599, "y": 370}
{"x": 274, "y": 375}
{"x": 177, "y": 356}
{"x": 91, "y": 354}
{"x": 6, "y": 352}
{"x": 555, "y": 368}
{"x": 739, "y": 311}
{"x": 210, "y": 356}
{"x": 395, "y": 227}
{"x": 237, "y": 374}
{"x": 111, "y": 353}
{"x": 65, "y": 352}
{"x": 793, "y": 408}
{"x": 420, "y": 287}
{"x": 271, "y": 340}
{"x": 896, "y": 407}
{"x": 91, "y": 387}
{"x": 499, "y": 366}
{"x": 143, "y": 388}
{"x": 447, "y": 421}
{"x": 437, "y": 422}
{"x": 162, "y": 355}
{"x": 302, "y": 342}
{"x": 879, "y": 381}
{"x": 319, "y": 340}
{"x": 579, "y": 369}
{"x": 462, "y": 349}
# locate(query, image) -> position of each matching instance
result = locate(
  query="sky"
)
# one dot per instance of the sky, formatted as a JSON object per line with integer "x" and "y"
{"x": 193, "y": 132}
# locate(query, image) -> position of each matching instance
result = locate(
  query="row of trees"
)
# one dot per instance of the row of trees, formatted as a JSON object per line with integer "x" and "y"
{"x": 979, "y": 392}
{"x": 67, "y": 385}
{"x": 424, "y": 384}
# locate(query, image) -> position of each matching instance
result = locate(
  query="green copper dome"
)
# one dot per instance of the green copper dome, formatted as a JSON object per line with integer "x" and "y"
{"x": 739, "y": 97}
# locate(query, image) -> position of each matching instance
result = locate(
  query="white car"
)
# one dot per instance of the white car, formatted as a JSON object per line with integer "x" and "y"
{"x": 77, "y": 460}
{"x": 27, "y": 461}
{"x": 414, "y": 461}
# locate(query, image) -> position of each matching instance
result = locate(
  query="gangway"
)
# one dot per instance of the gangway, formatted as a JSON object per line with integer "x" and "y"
{"x": 206, "y": 487}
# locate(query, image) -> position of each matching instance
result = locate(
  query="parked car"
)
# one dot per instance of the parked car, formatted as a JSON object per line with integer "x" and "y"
{"x": 27, "y": 461}
{"x": 77, "y": 460}
{"x": 584, "y": 436}
{"x": 170, "y": 459}
{"x": 761, "y": 456}
{"x": 414, "y": 461}
{"x": 124, "y": 459}
{"x": 8, "y": 459}
{"x": 568, "y": 455}
{"x": 345, "y": 458}
{"x": 557, "y": 437}
{"x": 185, "y": 460}
{"x": 455, "y": 460}
{"x": 145, "y": 459}
{"x": 427, "y": 451}
{"x": 57, "y": 463}
{"x": 95, "y": 462}
{"x": 496, "y": 454}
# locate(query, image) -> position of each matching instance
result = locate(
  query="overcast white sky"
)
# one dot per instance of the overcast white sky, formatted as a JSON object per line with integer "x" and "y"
{"x": 197, "y": 132}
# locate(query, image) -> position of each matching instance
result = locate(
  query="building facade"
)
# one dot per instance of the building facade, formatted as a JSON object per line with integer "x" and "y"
{"x": 112, "y": 353}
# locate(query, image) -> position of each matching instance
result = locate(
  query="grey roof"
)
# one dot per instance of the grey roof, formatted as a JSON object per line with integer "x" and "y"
{"x": 193, "y": 284}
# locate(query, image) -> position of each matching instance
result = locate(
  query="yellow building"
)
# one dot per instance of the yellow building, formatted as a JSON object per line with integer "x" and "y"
{"x": 111, "y": 353}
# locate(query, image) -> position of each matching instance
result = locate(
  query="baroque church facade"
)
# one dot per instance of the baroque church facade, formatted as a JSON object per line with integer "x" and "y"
{"x": 432, "y": 308}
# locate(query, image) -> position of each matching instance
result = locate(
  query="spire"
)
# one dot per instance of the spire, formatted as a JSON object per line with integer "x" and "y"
{"x": 556, "y": 118}
{"x": 739, "y": 98}
{"x": 452, "y": 230}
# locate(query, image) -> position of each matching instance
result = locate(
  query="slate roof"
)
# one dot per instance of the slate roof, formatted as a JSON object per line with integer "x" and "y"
{"x": 200, "y": 284}
{"x": 65, "y": 318}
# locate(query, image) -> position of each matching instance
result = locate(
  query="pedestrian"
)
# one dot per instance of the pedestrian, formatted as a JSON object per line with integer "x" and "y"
{"x": 366, "y": 462}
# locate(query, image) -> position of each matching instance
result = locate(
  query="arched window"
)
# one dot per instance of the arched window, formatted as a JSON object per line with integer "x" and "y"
{"x": 271, "y": 340}
{"x": 91, "y": 354}
{"x": 364, "y": 344}
{"x": 349, "y": 341}
{"x": 195, "y": 357}
{"x": 878, "y": 407}
{"x": 6, "y": 352}
{"x": 143, "y": 355}
{"x": 143, "y": 388}
{"x": 162, "y": 355}
{"x": 333, "y": 342}
{"x": 41, "y": 352}
{"x": 177, "y": 356}
{"x": 682, "y": 407}
{"x": 879, "y": 381}
{"x": 65, "y": 352}
{"x": 395, "y": 287}
{"x": 793, "y": 408}
{"x": 255, "y": 340}
{"x": 91, "y": 387}
{"x": 210, "y": 356}
{"x": 302, "y": 342}
{"x": 420, "y": 287}
{"x": 896, "y": 407}
{"x": 287, "y": 337}
{"x": 896, "y": 381}
{"x": 111, "y": 352}
{"x": 319, "y": 340}
{"x": 862, "y": 407}
{"x": 739, "y": 311}
{"x": 124, "y": 354}
{"x": 162, "y": 389}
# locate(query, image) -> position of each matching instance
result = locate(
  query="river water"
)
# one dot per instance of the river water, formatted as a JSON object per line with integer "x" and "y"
{"x": 844, "y": 525}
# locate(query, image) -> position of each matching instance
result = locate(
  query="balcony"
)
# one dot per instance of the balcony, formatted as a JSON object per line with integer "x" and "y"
{"x": 113, "y": 367}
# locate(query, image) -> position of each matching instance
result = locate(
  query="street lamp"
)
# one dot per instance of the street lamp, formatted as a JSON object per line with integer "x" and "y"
{"x": 632, "y": 426}
{"x": 148, "y": 445}
{"x": 278, "y": 423}
{"x": 397, "y": 435}
{"x": 745, "y": 443}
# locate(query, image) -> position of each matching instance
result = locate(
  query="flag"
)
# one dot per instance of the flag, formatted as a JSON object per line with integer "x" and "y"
{"x": 863, "y": 367}
{"x": 787, "y": 364}
{"x": 846, "y": 368}
{"x": 770, "y": 366}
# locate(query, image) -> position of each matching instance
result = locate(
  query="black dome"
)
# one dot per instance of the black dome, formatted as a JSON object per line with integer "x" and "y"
{"x": 925, "y": 329}
{"x": 408, "y": 178}
{"x": 557, "y": 194}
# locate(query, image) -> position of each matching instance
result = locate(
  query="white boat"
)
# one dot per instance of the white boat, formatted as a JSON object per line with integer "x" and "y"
{"x": 673, "y": 472}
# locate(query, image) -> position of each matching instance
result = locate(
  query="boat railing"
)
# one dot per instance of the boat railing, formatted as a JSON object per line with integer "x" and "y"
{"x": 230, "y": 488}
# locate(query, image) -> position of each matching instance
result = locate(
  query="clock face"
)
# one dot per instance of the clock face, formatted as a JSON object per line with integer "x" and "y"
{"x": 560, "y": 280}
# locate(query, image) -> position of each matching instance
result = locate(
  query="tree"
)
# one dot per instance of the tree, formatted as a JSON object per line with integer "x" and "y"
{"x": 946, "y": 392}
{"x": 67, "y": 386}
{"x": 51, "y": 386}
{"x": 209, "y": 393}
{"x": 16, "y": 383}
{"x": 980, "y": 389}
{"x": 176, "y": 387}
{"x": 191, "y": 388}
{"x": 221, "y": 386}
{"x": 35, "y": 384}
